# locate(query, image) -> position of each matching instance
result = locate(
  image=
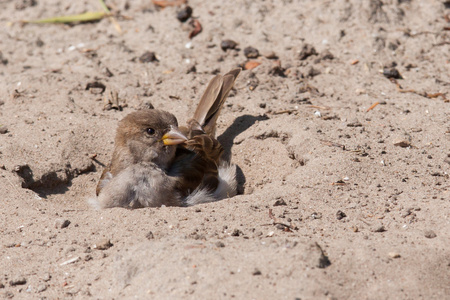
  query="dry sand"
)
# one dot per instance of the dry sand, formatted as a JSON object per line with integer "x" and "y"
{"x": 336, "y": 202}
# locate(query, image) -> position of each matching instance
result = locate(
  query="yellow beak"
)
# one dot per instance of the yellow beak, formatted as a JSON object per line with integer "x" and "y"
{"x": 173, "y": 137}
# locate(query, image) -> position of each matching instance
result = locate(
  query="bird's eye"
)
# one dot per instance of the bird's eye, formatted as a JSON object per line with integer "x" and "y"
{"x": 150, "y": 131}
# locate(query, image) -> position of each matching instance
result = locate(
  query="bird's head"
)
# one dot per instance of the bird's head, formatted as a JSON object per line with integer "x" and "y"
{"x": 150, "y": 136}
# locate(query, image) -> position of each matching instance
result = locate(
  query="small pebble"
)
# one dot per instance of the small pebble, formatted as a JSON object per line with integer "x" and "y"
{"x": 39, "y": 42}
{"x": 316, "y": 215}
{"x": 379, "y": 228}
{"x": 340, "y": 215}
{"x": 430, "y": 234}
{"x": 280, "y": 227}
{"x": 42, "y": 287}
{"x": 46, "y": 277}
{"x": 228, "y": 44}
{"x": 312, "y": 72}
{"x": 391, "y": 73}
{"x": 3, "y": 129}
{"x": 147, "y": 57}
{"x": 236, "y": 232}
{"x": 70, "y": 261}
{"x": 402, "y": 143}
{"x": 279, "y": 202}
{"x": 184, "y": 14}
{"x": 191, "y": 69}
{"x": 150, "y": 235}
{"x": 354, "y": 124}
{"x": 251, "y": 52}
{"x": 256, "y": 272}
{"x": 277, "y": 71}
{"x": 270, "y": 55}
{"x": 87, "y": 257}
{"x": 306, "y": 51}
{"x": 394, "y": 255}
{"x": 147, "y": 105}
{"x": 18, "y": 281}
{"x": 103, "y": 244}
{"x": 219, "y": 244}
{"x": 61, "y": 223}
{"x": 326, "y": 55}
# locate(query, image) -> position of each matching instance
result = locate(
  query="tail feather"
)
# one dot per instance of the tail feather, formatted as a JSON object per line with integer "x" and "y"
{"x": 227, "y": 188}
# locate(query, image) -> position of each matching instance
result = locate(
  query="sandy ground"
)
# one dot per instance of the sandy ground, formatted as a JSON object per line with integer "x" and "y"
{"x": 337, "y": 201}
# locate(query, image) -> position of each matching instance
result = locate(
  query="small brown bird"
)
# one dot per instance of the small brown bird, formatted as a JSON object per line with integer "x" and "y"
{"x": 156, "y": 163}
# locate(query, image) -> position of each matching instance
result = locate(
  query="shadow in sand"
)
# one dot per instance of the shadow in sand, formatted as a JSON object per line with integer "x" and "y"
{"x": 51, "y": 182}
{"x": 45, "y": 191}
{"x": 239, "y": 125}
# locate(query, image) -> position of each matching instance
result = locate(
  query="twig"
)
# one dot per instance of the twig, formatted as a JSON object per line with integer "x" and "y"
{"x": 286, "y": 111}
{"x": 441, "y": 44}
{"x": 331, "y": 144}
{"x": 372, "y": 106}
{"x": 422, "y": 32}
{"x": 319, "y": 107}
{"x": 423, "y": 94}
{"x": 165, "y": 3}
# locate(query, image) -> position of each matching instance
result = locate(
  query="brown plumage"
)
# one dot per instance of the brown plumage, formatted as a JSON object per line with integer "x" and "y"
{"x": 156, "y": 163}
{"x": 202, "y": 169}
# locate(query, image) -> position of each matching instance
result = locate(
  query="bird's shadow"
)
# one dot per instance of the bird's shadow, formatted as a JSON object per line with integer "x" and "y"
{"x": 239, "y": 125}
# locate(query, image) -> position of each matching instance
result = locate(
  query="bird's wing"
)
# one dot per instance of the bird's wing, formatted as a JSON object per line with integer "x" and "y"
{"x": 213, "y": 99}
{"x": 208, "y": 99}
{"x": 196, "y": 164}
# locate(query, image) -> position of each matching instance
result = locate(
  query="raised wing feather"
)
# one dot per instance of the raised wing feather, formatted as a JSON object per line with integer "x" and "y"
{"x": 213, "y": 99}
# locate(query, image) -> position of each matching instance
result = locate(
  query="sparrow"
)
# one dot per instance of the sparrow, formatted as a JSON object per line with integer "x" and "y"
{"x": 155, "y": 162}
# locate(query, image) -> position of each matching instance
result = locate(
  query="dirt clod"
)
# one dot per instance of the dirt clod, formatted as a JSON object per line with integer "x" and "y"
{"x": 220, "y": 244}
{"x": 147, "y": 57}
{"x": 103, "y": 244}
{"x": 394, "y": 255}
{"x": 251, "y": 52}
{"x": 184, "y": 14}
{"x": 391, "y": 73}
{"x": 236, "y": 232}
{"x": 61, "y": 223}
{"x": 340, "y": 215}
{"x": 41, "y": 288}
{"x": 256, "y": 272}
{"x": 402, "y": 143}
{"x": 306, "y": 51}
{"x": 228, "y": 44}
{"x": 18, "y": 281}
{"x": 279, "y": 202}
{"x": 378, "y": 228}
{"x": 430, "y": 234}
